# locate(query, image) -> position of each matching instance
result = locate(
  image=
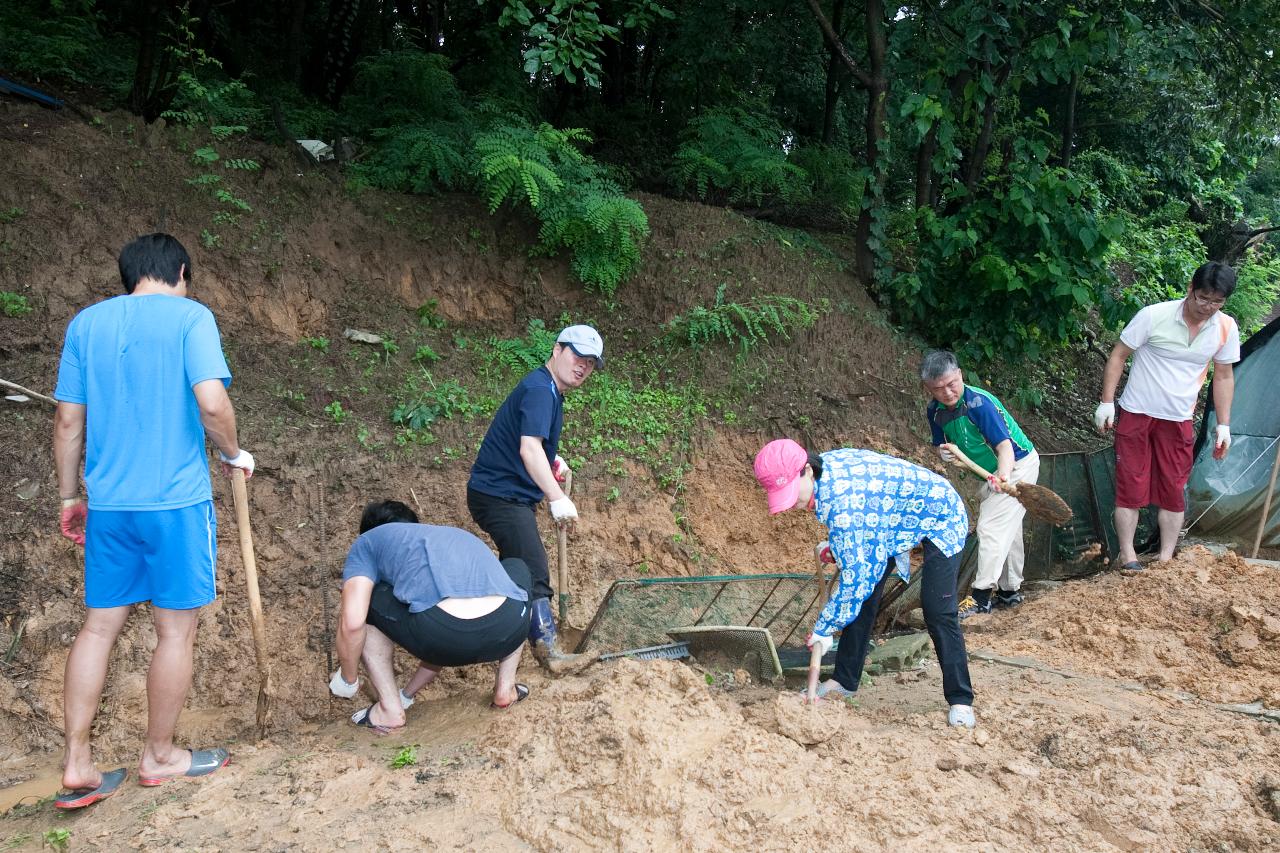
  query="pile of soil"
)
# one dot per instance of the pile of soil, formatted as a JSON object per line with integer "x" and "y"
{"x": 1205, "y": 624}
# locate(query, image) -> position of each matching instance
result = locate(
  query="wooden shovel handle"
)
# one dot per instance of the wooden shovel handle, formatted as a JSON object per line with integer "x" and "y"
{"x": 966, "y": 461}
{"x": 240, "y": 495}
{"x": 562, "y": 554}
{"x": 815, "y": 671}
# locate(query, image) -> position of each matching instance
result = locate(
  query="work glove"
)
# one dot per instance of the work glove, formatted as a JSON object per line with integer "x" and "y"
{"x": 823, "y": 552}
{"x": 1105, "y": 416}
{"x": 1222, "y": 443}
{"x": 243, "y": 459}
{"x": 339, "y": 687}
{"x": 72, "y": 518}
{"x": 947, "y": 455}
{"x": 563, "y": 510}
{"x": 560, "y": 469}
{"x": 825, "y": 643}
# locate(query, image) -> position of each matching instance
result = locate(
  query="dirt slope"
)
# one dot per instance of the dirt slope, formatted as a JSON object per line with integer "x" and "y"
{"x": 631, "y": 756}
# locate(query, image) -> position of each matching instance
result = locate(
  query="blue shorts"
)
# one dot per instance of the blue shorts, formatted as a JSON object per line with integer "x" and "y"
{"x": 164, "y": 556}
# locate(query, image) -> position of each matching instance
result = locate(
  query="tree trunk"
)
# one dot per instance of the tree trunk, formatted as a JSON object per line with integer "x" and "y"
{"x": 977, "y": 158}
{"x": 834, "y": 71}
{"x": 297, "y": 37}
{"x": 877, "y": 132}
{"x": 1069, "y": 121}
{"x": 875, "y": 124}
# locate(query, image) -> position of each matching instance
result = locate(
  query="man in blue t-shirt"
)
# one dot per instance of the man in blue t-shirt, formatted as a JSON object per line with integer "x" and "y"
{"x": 141, "y": 380}
{"x": 518, "y": 466}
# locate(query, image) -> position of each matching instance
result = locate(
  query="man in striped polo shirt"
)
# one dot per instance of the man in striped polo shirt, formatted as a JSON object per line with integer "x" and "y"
{"x": 978, "y": 423}
{"x": 1172, "y": 344}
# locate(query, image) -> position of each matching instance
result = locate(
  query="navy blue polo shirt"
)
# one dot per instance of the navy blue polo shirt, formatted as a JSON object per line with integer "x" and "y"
{"x": 534, "y": 408}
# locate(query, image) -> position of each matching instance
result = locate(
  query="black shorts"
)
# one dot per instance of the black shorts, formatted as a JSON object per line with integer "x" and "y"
{"x": 440, "y": 639}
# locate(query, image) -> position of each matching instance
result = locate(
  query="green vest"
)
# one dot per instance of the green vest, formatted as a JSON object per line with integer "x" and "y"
{"x": 959, "y": 425}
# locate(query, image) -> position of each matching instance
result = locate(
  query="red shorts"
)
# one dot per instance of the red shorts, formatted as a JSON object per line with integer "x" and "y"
{"x": 1153, "y": 461}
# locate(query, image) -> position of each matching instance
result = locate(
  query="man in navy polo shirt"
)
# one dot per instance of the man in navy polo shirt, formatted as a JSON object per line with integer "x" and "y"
{"x": 517, "y": 467}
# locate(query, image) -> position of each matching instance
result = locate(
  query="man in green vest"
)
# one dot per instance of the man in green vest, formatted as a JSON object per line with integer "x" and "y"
{"x": 983, "y": 429}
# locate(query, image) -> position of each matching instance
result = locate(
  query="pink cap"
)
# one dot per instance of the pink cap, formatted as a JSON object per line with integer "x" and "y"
{"x": 778, "y": 467}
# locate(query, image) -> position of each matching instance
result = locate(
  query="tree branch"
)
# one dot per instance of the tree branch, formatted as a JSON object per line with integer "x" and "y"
{"x": 834, "y": 40}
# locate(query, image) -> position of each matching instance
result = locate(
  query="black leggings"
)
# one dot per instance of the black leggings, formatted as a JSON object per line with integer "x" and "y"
{"x": 441, "y": 639}
{"x": 514, "y": 529}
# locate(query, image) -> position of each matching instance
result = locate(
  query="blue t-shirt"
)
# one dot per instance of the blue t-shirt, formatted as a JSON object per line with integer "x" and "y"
{"x": 534, "y": 408}
{"x": 132, "y": 361}
{"x": 426, "y": 564}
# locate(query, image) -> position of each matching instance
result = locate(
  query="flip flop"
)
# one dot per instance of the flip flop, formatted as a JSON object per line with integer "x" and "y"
{"x": 81, "y": 797}
{"x": 203, "y": 762}
{"x": 1131, "y": 566}
{"x": 522, "y": 693}
{"x": 361, "y": 718}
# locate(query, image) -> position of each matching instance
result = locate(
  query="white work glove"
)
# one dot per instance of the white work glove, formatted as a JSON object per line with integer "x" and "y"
{"x": 824, "y": 643}
{"x": 405, "y": 699}
{"x": 243, "y": 459}
{"x": 1105, "y": 416}
{"x": 339, "y": 687}
{"x": 947, "y": 455}
{"x": 560, "y": 469}
{"x": 563, "y": 510}
{"x": 1222, "y": 443}
{"x": 823, "y": 552}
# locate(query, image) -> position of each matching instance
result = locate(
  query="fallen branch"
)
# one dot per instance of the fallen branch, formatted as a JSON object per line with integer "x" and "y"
{"x": 16, "y": 387}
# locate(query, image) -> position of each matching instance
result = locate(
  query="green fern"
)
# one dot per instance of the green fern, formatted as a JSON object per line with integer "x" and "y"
{"x": 732, "y": 155}
{"x": 516, "y": 162}
{"x": 741, "y": 324}
{"x": 420, "y": 159}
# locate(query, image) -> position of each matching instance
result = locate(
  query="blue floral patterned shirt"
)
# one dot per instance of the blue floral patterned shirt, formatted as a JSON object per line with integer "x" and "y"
{"x": 877, "y": 507}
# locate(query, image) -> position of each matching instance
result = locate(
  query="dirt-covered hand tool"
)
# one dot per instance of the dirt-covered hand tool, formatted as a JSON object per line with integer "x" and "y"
{"x": 241, "y": 496}
{"x": 1040, "y": 501}
{"x": 562, "y": 556}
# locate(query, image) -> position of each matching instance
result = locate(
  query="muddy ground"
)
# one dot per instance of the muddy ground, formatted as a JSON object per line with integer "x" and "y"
{"x": 1111, "y": 750}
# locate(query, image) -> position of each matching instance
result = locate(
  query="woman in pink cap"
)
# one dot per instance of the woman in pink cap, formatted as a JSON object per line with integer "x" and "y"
{"x": 876, "y": 509}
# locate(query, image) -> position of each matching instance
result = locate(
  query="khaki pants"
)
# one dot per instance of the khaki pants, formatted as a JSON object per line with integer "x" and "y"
{"x": 1000, "y": 551}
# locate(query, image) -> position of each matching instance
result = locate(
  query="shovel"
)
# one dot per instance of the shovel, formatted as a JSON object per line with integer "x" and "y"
{"x": 241, "y": 497}
{"x": 815, "y": 655}
{"x": 1040, "y": 501}
{"x": 562, "y": 556}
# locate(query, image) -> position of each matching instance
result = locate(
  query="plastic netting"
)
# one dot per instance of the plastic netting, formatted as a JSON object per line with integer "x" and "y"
{"x": 638, "y": 613}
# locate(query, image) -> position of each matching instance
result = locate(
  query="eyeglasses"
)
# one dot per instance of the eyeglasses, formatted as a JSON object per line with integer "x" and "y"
{"x": 1208, "y": 303}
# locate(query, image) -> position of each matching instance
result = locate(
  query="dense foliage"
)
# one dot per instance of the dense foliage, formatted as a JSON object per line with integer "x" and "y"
{"x": 1008, "y": 170}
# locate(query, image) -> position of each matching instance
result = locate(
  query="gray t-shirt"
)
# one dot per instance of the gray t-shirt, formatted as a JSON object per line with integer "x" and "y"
{"x": 426, "y": 563}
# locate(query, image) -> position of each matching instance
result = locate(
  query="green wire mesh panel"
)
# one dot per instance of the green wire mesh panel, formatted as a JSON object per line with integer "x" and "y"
{"x": 638, "y": 613}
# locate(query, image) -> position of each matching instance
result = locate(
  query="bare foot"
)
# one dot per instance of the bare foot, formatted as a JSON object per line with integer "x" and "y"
{"x": 176, "y": 763}
{"x": 81, "y": 777}
{"x": 387, "y": 719}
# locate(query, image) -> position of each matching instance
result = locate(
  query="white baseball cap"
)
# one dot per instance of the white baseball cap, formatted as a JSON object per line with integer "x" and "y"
{"x": 584, "y": 341}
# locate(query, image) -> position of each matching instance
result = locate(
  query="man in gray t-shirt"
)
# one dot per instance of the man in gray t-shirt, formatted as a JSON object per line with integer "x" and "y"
{"x": 437, "y": 592}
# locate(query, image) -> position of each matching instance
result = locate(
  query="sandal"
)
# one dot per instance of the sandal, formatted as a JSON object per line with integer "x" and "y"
{"x": 203, "y": 762}
{"x": 81, "y": 797}
{"x": 364, "y": 718}
{"x": 522, "y": 693}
